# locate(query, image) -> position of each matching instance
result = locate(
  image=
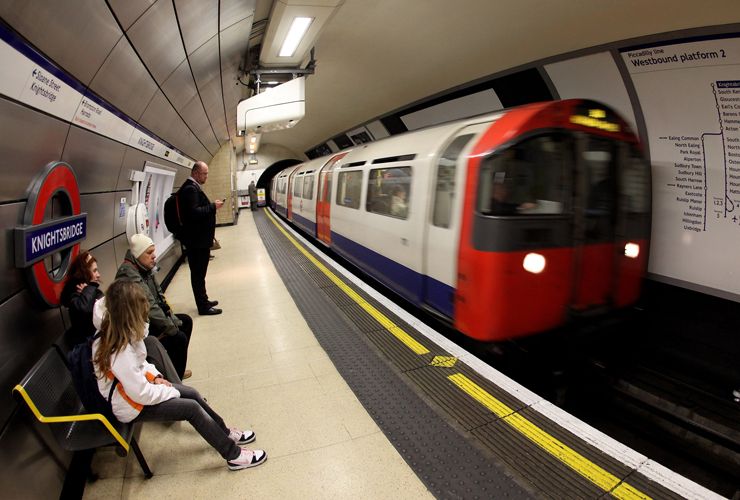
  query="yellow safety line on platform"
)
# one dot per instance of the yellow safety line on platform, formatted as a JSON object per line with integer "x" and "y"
{"x": 583, "y": 466}
{"x": 395, "y": 330}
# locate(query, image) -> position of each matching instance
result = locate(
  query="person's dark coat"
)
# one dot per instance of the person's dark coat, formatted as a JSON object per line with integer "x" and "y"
{"x": 80, "y": 306}
{"x": 198, "y": 216}
{"x": 252, "y": 189}
{"x": 162, "y": 320}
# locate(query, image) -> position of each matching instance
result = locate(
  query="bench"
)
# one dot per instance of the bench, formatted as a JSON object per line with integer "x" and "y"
{"x": 49, "y": 393}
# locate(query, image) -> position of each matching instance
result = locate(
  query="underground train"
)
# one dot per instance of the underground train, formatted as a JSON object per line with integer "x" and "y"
{"x": 506, "y": 225}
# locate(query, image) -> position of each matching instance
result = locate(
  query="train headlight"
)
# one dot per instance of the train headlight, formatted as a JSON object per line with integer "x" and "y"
{"x": 534, "y": 263}
{"x": 632, "y": 250}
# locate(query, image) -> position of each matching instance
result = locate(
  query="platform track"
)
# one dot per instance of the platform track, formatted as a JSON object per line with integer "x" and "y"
{"x": 461, "y": 434}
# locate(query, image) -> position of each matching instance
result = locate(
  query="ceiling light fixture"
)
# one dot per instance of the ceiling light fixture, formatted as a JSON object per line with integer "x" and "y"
{"x": 295, "y": 34}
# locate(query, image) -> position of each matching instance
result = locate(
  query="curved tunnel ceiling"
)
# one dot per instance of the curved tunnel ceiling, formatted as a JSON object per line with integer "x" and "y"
{"x": 172, "y": 65}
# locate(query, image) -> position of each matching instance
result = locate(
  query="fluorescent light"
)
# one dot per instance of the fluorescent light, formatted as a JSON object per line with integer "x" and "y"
{"x": 295, "y": 35}
{"x": 252, "y": 142}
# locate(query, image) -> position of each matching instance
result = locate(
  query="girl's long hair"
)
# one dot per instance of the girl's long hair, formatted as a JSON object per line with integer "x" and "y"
{"x": 127, "y": 311}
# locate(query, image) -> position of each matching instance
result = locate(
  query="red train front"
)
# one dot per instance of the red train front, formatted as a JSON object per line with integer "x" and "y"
{"x": 556, "y": 220}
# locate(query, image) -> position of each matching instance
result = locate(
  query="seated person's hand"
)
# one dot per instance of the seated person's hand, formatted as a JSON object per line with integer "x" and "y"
{"x": 163, "y": 381}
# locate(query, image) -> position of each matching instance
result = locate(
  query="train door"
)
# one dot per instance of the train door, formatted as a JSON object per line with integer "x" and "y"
{"x": 595, "y": 222}
{"x": 442, "y": 227}
{"x": 289, "y": 195}
{"x": 323, "y": 201}
{"x": 297, "y": 195}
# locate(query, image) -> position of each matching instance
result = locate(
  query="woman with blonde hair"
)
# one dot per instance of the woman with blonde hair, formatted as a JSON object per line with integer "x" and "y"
{"x": 142, "y": 394}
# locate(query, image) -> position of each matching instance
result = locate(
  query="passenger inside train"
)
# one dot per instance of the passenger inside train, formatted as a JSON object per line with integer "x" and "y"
{"x": 399, "y": 207}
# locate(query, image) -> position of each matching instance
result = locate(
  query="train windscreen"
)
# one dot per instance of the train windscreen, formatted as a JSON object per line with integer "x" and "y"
{"x": 526, "y": 178}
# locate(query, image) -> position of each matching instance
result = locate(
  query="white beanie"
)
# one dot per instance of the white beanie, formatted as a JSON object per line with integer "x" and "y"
{"x": 139, "y": 244}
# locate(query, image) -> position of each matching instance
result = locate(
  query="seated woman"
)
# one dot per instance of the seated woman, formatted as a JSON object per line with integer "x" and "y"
{"x": 79, "y": 295}
{"x": 142, "y": 393}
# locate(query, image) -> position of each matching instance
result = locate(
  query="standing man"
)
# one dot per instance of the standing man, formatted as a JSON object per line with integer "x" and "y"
{"x": 252, "y": 190}
{"x": 199, "y": 228}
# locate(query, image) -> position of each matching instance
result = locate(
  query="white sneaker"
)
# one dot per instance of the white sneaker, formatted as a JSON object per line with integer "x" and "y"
{"x": 247, "y": 458}
{"x": 242, "y": 437}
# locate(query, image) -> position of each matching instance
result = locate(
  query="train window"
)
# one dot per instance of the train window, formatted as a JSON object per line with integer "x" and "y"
{"x": 599, "y": 160}
{"x": 444, "y": 193}
{"x": 527, "y": 178}
{"x": 308, "y": 187}
{"x": 635, "y": 184}
{"x": 349, "y": 188}
{"x": 326, "y": 193}
{"x": 298, "y": 185}
{"x": 389, "y": 191}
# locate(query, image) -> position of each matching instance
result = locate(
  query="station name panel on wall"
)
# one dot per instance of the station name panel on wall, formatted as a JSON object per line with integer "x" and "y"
{"x": 689, "y": 93}
{"x": 55, "y": 192}
{"x": 32, "y": 79}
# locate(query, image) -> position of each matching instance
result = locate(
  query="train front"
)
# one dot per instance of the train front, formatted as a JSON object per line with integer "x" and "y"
{"x": 556, "y": 221}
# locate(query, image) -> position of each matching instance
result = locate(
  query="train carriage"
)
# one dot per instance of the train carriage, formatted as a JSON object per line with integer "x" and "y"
{"x": 507, "y": 224}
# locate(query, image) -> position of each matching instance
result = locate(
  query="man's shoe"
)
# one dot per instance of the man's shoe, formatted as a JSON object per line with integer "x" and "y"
{"x": 211, "y": 311}
{"x": 187, "y": 374}
{"x": 212, "y": 303}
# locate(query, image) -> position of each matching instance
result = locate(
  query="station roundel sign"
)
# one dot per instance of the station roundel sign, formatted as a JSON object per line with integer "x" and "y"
{"x": 54, "y": 193}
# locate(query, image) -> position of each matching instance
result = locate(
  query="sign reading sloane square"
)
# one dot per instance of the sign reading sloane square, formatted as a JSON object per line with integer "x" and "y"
{"x": 39, "y": 238}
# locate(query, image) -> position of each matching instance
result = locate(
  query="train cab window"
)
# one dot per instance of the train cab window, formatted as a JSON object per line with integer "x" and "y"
{"x": 444, "y": 192}
{"x": 389, "y": 191}
{"x": 599, "y": 158}
{"x": 349, "y": 188}
{"x": 308, "y": 186}
{"x": 528, "y": 178}
{"x": 298, "y": 185}
{"x": 634, "y": 179}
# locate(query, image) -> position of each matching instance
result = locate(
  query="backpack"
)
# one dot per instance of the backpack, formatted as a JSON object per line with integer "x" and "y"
{"x": 79, "y": 361}
{"x": 172, "y": 215}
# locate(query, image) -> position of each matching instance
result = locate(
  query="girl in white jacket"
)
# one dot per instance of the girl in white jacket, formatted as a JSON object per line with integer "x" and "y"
{"x": 142, "y": 394}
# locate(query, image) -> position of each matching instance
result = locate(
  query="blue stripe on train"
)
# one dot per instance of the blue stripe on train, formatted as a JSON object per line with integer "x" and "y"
{"x": 402, "y": 280}
{"x": 305, "y": 224}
